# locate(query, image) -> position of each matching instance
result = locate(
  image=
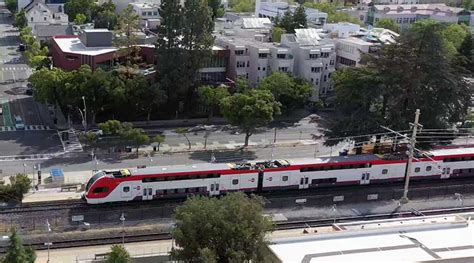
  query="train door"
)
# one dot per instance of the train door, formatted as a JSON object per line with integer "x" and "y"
{"x": 126, "y": 192}
{"x": 147, "y": 193}
{"x": 260, "y": 180}
{"x": 214, "y": 189}
{"x": 304, "y": 182}
{"x": 445, "y": 173}
{"x": 365, "y": 178}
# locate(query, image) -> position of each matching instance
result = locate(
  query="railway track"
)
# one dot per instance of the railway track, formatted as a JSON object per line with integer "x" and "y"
{"x": 326, "y": 193}
{"x": 130, "y": 238}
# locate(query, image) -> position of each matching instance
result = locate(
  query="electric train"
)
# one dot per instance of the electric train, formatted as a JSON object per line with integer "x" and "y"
{"x": 214, "y": 179}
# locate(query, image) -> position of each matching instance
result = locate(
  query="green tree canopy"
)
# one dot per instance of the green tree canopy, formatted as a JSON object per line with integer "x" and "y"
{"x": 242, "y": 6}
{"x": 20, "y": 19}
{"x": 248, "y": 111}
{"x": 276, "y": 34}
{"x": 136, "y": 136}
{"x": 229, "y": 229}
{"x": 184, "y": 132}
{"x": 288, "y": 90}
{"x": 118, "y": 254}
{"x": 454, "y": 35}
{"x": 334, "y": 16}
{"x": 388, "y": 24}
{"x": 16, "y": 252}
{"x": 211, "y": 97}
{"x": 114, "y": 127}
{"x": 299, "y": 18}
{"x": 74, "y": 7}
{"x": 415, "y": 73}
{"x": 159, "y": 139}
{"x": 126, "y": 39}
{"x": 80, "y": 19}
{"x": 12, "y": 5}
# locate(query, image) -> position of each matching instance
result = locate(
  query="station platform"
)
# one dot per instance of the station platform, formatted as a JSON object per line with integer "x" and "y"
{"x": 51, "y": 195}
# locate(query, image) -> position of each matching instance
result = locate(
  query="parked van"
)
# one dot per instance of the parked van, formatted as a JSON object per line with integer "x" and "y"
{"x": 19, "y": 124}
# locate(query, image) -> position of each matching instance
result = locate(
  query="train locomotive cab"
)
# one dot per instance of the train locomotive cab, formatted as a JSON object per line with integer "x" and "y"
{"x": 101, "y": 184}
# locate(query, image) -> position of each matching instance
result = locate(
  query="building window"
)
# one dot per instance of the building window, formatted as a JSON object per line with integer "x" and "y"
{"x": 239, "y": 52}
{"x": 345, "y": 61}
{"x": 329, "y": 75}
{"x": 150, "y": 13}
{"x": 262, "y": 55}
{"x": 258, "y": 68}
{"x": 316, "y": 82}
{"x": 428, "y": 168}
{"x": 325, "y": 78}
{"x": 313, "y": 56}
{"x": 376, "y": 20}
{"x": 399, "y": 20}
{"x": 240, "y": 64}
{"x": 281, "y": 56}
{"x": 263, "y": 69}
{"x": 235, "y": 181}
{"x": 126, "y": 189}
{"x": 155, "y": 13}
{"x": 405, "y": 20}
{"x": 283, "y": 69}
{"x": 412, "y": 20}
{"x": 385, "y": 171}
{"x": 417, "y": 169}
{"x": 331, "y": 62}
{"x": 284, "y": 178}
{"x": 315, "y": 69}
{"x": 248, "y": 64}
{"x": 325, "y": 54}
{"x": 143, "y": 13}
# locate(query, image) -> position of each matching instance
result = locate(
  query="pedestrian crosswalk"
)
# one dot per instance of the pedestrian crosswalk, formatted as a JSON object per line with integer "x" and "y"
{"x": 15, "y": 69}
{"x": 27, "y": 128}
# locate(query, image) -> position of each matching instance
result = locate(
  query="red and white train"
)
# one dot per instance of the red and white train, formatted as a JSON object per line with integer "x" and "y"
{"x": 220, "y": 178}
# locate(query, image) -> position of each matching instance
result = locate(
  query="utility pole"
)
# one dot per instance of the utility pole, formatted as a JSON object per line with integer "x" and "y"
{"x": 415, "y": 125}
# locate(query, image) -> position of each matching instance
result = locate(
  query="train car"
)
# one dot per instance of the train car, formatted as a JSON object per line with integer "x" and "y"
{"x": 219, "y": 178}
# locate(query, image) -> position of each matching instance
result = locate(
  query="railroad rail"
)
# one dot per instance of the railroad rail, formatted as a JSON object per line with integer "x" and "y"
{"x": 302, "y": 224}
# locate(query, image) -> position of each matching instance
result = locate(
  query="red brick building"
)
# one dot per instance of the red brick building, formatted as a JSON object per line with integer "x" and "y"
{"x": 92, "y": 47}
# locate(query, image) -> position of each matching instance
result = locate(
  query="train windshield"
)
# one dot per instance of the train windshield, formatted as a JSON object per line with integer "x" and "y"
{"x": 93, "y": 179}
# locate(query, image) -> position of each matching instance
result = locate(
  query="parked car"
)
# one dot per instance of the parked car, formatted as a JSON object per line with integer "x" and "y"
{"x": 19, "y": 124}
{"x": 29, "y": 92}
{"x": 22, "y": 47}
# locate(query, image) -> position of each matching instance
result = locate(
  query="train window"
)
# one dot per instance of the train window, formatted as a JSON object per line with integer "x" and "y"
{"x": 181, "y": 190}
{"x": 235, "y": 181}
{"x": 217, "y": 187}
{"x": 428, "y": 168}
{"x": 126, "y": 189}
{"x": 212, "y": 187}
{"x": 186, "y": 190}
{"x": 306, "y": 180}
{"x": 368, "y": 177}
{"x": 144, "y": 191}
{"x": 324, "y": 181}
{"x": 159, "y": 192}
{"x": 363, "y": 176}
{"x": 417, "y": 169}
{"x": 170, "y": 178}
{"x": 385, "y": 171}
{"x": 337, "y": 167}
{"x": 100, "y": 190}
{"x": 165, "y": 192}
{"x": 175, "y": 191}
{"x": 198, "y": 189}
{"x": 346, "y": 167}
{"x": 284, "y": 178}
{"x": 301, "y": 180}
{"x": 150, "y": 191}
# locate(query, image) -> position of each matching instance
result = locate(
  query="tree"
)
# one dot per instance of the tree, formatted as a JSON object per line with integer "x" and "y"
{"x": 229, "y": 229}
{"x": 299, "y": 18}
{"x": 127, "y": 27}
{"x": 334, "y": 16}
{"x": 289, "y": 91}
{"x": 147, "y": 97}
{"x": 184, "y": 132}
{"x": 12, "y": 5}
{"x": 243, "y": 6}
{"x": 47, "y": 84}
{"x": 242, "y": 85}
{"x": 137, "y": 136}
{"x": 388, "y": 24}
{"x": 466, "y": 50}
{"x": 91, "y": 139}
{"x": 276, "y": 33}
{"x": 214, "y": 5}
{"x": 113, "y": 127}
{"x": 19, "y": 186}
{"x": 159, "y": 139}
{"x": 211, "y": 98}
{"x": 250, "y": 110}
{"x": 287, "y": 23}
{"x": 454, "y": 35}
{"x": 104, "y": 15}
{"x": 80, "y": 19}
{"x": 20, "y": 20}
{"x": 74, "y": 7}
{"x": 415, "y": 73}
{"x": 16, "y": 252}
{"x": 118, "y": 254}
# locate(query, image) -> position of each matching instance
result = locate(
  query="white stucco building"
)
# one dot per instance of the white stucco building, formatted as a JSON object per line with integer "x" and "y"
{"x": 274, "y": 8}
{"x": 148, "y": 12}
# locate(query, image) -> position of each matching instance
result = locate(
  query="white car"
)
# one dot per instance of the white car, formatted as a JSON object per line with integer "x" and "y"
{"x": 19, "y": 124}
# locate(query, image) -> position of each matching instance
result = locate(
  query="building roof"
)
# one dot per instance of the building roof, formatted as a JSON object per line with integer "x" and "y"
{"x": 45, "y": 31}
{"x": 393, "y": 240}
{"x": 72, "y": 44}
{"x": 423, "y": 9}
{"x": 256, "y": 22}
{"x": 307, "y": 36}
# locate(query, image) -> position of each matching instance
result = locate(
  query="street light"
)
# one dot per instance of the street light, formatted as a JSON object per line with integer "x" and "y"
{"x": 24, "y": 168}
{"x": 122, "y": 218}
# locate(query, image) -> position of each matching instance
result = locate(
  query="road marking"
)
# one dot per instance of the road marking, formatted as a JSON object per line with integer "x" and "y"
{"x": 27, "y": 128}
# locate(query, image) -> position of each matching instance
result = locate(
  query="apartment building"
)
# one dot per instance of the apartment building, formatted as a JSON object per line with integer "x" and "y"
{"x": 254, "y": 60}
{"x": 405, "y": 15}
{"x": 274, "y": 8}
{"x": 352, "y": 42}
{"x": 315, "y": 59}
{"x": 46, "y": 20}
{"x": 149, "y": 13}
